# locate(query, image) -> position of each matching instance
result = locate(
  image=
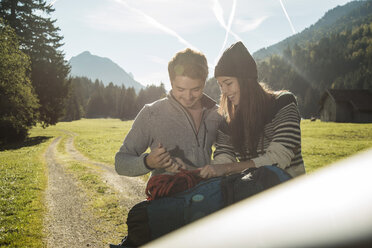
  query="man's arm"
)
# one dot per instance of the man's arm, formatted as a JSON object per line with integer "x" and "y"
{"x": 130, "y": 160}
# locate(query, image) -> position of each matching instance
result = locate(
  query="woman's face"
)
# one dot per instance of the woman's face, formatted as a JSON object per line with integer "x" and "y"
{"x": 230, "y": 87}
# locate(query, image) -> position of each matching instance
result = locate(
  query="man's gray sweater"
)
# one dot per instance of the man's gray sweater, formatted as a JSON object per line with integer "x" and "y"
{"x": 167, "y": 122}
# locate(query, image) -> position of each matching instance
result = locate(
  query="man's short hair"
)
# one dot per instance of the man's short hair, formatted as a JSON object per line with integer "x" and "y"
{"x": 188, "y": 63}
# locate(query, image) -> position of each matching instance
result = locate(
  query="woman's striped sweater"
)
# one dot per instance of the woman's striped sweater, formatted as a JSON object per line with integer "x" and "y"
{"x": 281, "y": 143}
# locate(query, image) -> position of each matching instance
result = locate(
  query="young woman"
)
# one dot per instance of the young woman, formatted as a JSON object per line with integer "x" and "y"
{"x": 261, "y": 127}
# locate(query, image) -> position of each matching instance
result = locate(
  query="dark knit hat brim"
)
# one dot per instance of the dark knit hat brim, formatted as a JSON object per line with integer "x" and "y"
{"x": 236, "y": 61}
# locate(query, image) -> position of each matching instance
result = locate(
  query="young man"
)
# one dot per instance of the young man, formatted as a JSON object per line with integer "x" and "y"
{"x": 182, "y": 125}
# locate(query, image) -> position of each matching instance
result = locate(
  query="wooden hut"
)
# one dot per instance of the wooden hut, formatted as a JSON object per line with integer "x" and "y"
{"x": 346, "y": 106}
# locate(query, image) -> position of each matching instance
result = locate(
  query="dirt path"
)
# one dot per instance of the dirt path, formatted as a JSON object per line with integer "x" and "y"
{"x": 131, "y": 188}
{"x": 68, "y": 221}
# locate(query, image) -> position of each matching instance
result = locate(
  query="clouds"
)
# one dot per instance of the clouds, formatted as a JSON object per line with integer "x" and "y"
{"x": 172, "y": 18}
{"x": 157, "y": 60}
{"x": 243, "y": 25}
{"x": 180, "y": 16}
{"x": 219, "y": 14}
{"x": 156, "y": 24}
{"x": 151, "y": 17}
{"x": 142, "y": 35}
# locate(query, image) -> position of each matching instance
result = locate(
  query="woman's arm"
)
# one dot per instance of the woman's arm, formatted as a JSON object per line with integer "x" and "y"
{"x": 286, "y": 139}
{"x": 218, "y": 170}
{"x": 224, "y": 152}
{"x": 281, "y": 150}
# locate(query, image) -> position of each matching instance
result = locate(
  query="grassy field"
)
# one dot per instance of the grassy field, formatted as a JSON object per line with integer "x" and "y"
{"x": 23, "y": 169}
{"x": 324, "y": 143}
{"x": 22, "y": 184}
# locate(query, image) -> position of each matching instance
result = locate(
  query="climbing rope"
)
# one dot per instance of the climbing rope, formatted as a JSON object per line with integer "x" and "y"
{"x": 166, "y": 185}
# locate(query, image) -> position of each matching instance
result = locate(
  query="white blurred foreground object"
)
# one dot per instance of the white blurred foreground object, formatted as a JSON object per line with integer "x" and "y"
{"x": 331, "y": 207}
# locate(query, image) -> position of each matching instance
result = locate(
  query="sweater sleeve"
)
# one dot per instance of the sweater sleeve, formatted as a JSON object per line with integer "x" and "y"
{"x": 224, "y": 152}
{"x": 129, "y": 160}
{"x": 286, "y": 139}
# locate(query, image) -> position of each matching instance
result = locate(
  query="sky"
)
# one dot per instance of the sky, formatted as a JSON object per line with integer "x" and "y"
{"x": 141, "y": 36}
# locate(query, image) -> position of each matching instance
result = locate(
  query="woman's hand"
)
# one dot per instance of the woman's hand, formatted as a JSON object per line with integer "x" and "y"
{"x": 216, "y": 170}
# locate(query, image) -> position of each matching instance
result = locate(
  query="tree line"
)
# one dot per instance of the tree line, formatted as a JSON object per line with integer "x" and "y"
{"x": 339, "y": 61}
{"x": 32, "y": 68}
{"x": 34, "y": 83}
{"x": 94, "y": 100}
{"x": 35, "y": 88}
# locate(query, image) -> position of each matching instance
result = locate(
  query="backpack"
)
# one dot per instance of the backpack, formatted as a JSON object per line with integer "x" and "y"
{"x": 149, "y": 220}
{"x": 251, "y": 181}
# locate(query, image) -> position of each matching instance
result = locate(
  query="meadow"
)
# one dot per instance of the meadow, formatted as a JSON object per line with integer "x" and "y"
{"x": 23, "y": 172}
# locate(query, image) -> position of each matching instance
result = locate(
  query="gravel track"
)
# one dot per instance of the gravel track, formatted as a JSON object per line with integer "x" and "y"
{"x": 69, "y": 222}
{"x": 131, "y": 188}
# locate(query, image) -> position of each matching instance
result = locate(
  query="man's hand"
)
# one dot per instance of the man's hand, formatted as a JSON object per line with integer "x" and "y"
{"x": 216, "y": 170}
{"x": 177, "y": 165}
{"x": 158, "y": 158}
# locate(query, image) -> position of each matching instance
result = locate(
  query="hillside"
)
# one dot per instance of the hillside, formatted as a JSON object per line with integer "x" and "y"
{"x": 103, "y": 69}
{"x": 334, "y": 21}
{"x": 336, "y": 53}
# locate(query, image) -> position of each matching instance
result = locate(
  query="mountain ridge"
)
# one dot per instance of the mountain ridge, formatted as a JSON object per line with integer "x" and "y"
{"x": 329, "y": 23}
{"x": 104, "y": 69}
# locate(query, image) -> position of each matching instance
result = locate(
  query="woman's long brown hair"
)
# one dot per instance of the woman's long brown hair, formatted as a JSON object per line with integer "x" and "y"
{"x": 247, "y": 120}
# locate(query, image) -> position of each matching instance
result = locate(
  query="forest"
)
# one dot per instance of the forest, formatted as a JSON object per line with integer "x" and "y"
{"x": 339, "y": 61}
{"x": 35, "y": 86}
{"x": 94, "y": 100}
{"x": 341, "y": 58}
{"x": 335, "y": 53}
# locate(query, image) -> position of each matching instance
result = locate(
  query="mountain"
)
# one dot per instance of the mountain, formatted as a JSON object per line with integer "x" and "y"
{"x": 103, "y": 69}
{"x": 334, "y": 21}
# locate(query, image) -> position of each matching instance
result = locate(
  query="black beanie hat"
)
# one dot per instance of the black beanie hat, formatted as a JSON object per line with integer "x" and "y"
{"x": 236, "y": 61}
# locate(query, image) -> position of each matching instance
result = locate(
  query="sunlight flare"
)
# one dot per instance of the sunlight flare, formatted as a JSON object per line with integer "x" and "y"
{"x": 289, "y": 19}
{"x": 157, "y": 24}
{"x": 218, "y": 12}
{"x": 52, "y": 2}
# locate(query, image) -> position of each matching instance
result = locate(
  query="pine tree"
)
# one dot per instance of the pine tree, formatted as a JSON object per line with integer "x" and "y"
{"x": 97, "y": 106}
{"x": 73, "y": 109}
{"x": 39, "y": 38}
{"x": 129, "y": 104}
{"x": 18, "y": 102}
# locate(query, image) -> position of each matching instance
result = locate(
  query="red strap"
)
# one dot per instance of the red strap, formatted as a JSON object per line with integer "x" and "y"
{"x": 165, "y": 185}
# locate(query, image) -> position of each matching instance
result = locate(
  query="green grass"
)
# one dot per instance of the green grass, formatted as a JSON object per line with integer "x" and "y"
{"x": 23, "y": 180}
{"x": 23, "y": 170}
{"x": 102, "y": 201}
{"x": 98, "y": 139}
{"x": 324, "y": 143}
{"x": 22, "y": 185}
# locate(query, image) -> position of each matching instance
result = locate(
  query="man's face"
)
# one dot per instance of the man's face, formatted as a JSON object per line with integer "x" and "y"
{"x": 187, "y": 91}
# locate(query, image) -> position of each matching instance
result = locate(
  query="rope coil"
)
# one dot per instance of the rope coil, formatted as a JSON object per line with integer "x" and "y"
{"x": 166, "y": 185}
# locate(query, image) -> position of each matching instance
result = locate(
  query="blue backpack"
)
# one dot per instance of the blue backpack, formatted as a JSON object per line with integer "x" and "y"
{"x": 149, "y": 220}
